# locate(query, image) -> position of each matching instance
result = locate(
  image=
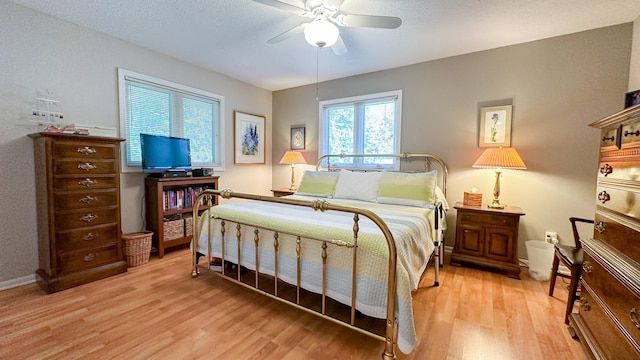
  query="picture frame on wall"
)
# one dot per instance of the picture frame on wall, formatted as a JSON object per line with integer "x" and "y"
{"x": 298, "y": 138}
{"x": 632, "y": 98}
{"x": 495, "y": 126}
{"x": 249, "y": 138}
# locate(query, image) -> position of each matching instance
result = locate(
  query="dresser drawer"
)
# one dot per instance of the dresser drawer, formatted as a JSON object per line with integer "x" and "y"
{"x": 85, "y": 150}
{"x": 84, "y": 167}
{"x": 610, "y": 137}
{"x": 487, "y": 219}
{"x": 608, "y": 336}
{"x": 84, "y": 259}
{"x": 608, "y": 229}
{"x": 73, "y": 219}
{"x": 71, "y": 183}
{"x": 621, "y": 302}
{"x": 630, "y": 134}
{"x": 622, "y": 170}
{"x": 87, "y": 238}
{"x": 85, "y": 200}
{"x": 619, "y": 198}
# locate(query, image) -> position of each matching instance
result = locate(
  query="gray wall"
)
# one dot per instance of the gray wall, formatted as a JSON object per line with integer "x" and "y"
{"x": 39, "y": 52}
{"x": 557, "y": 87}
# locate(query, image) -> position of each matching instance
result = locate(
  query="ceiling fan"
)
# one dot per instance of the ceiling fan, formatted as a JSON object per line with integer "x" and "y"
{"x": 325, "y": 15}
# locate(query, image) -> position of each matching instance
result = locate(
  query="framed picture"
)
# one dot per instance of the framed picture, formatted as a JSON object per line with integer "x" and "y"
{"x": 297, "y": 138}
{"x": 249, "y": 138}
{"x": 495, "y": 126}
{"x": 632, "y": 98}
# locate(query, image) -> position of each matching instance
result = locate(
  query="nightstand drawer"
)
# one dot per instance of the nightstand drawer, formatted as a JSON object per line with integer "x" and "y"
{"x": 488, "y": 219}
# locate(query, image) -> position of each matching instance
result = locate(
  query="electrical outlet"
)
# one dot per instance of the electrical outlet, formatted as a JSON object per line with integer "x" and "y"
{"x": 551, "y": 237}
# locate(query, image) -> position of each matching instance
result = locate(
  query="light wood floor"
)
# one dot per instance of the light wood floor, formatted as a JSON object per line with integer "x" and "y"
{"x": 157, "y": 311}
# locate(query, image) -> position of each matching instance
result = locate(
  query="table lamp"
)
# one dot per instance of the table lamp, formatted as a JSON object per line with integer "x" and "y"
{"x": 293, "y": 158}
{"x": 499, "y": 158}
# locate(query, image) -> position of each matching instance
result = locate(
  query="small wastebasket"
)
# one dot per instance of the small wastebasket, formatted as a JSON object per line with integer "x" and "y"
{"x": 137, "y": 247}
{"x": 540, "y": 254}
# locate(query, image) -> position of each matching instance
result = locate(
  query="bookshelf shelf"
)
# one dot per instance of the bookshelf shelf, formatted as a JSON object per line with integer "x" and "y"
{"x": 161, "y": 196}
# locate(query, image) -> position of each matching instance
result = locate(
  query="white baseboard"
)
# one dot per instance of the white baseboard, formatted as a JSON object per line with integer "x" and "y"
{"x": 4, "y": 285}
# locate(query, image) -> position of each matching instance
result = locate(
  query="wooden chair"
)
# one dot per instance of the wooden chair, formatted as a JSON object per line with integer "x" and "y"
{"x": 571, "y": 257}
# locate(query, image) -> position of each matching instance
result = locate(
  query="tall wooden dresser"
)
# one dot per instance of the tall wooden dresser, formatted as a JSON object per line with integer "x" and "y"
{"x": 78, "y": 207}
{"x": 608, "y": 320}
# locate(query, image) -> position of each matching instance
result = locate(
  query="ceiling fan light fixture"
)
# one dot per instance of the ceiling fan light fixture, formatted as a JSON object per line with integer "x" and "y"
{"x": 321, "y": 33}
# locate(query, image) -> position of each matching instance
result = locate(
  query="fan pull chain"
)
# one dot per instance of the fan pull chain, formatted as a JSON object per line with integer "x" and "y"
{"x": 317, "y": 71}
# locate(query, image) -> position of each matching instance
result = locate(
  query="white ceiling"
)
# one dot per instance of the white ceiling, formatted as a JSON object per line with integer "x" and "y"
{"x": 229, "y": 36}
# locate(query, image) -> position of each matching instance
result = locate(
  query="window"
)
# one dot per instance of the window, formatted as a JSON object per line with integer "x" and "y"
{"x": 155, "y": 106}
{"x": 368, "y": 124}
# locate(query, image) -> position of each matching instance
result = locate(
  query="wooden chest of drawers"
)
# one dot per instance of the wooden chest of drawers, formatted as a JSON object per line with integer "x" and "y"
{"x": 78, "y": 206}
{"x": 608, "y": 321}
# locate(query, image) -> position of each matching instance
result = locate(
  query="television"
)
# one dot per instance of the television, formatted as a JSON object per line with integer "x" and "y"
{"x": 164, "y": 153}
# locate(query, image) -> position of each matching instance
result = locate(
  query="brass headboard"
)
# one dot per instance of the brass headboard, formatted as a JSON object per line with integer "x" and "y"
{"x": 443, "y": 171}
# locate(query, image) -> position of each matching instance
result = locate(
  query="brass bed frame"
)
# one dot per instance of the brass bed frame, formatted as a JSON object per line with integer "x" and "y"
{"x": 206, "y": 200}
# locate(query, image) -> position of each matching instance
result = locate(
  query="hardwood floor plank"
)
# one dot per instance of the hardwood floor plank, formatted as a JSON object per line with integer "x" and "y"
{"x": 157, "y": 311}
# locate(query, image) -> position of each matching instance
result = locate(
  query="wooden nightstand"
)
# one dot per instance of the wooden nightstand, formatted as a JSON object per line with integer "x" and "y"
{"x": 282, "y": 192}
{"x": 487, "y": 237}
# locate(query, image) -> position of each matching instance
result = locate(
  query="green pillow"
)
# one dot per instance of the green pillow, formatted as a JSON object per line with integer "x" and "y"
{"x": 412, "y": 189}
{"x": 318, "y": 183}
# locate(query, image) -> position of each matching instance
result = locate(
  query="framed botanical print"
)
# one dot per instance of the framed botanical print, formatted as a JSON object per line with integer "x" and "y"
{"x": 495, "y": 126}
{"x": 249, "y": 138}
{"x": 297, "y": 138}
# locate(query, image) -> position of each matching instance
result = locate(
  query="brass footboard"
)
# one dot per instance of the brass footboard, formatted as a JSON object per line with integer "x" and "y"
{"x": 205, "y": 200}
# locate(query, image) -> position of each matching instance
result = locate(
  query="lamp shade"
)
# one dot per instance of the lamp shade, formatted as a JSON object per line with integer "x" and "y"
{"x": 292, "y": 157}
{"x": 321, "y": 33}
{"x": 502, "y": 157}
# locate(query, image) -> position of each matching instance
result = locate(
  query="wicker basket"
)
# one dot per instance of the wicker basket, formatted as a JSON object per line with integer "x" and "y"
{"x": 137, "y": 247}
{"x": 173, "y": 229}
{"x": 188, "y": 226}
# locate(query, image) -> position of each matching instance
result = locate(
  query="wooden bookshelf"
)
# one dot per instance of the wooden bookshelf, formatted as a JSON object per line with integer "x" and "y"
{"x": 160, "y": 206}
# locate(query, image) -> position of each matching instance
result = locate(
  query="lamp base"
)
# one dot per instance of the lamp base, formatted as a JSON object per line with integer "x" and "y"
{"x": 495, "y": 205}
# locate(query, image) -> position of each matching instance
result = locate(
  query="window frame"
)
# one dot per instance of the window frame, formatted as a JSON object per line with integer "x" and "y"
{"x": 189, "y": 92}
{"x": 359, "y": 128}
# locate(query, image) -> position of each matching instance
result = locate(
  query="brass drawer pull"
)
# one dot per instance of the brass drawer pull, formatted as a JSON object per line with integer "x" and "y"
{"x": 600, "y": 227}
{"x": 629, "y": 133}
{"x": 606, "y": 169}
{"x": 89, "y": 257}
{"x": 584, "y": 304}
{"x": 87, "y": 166}
{"x": 604, "y": 196}
{"x": 633, "y": 315}
{"x": 587, "y": 267}
{"x": 88, "y": 199}
{"x": 89, "y": 237}
{"x": 87, "y": 150}
{"x": 89, "y": 218}
{"x": 87, "y": 182}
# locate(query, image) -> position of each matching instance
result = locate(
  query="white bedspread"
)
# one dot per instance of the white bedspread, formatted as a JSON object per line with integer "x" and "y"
{"x": 412, "y": 228}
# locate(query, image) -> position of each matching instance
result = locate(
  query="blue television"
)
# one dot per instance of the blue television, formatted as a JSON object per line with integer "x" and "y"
{"x": 164, "y": 153}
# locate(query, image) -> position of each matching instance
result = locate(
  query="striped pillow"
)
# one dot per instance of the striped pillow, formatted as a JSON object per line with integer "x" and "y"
{"x": 318, "y": 183}
{"x": 412, "y": 189}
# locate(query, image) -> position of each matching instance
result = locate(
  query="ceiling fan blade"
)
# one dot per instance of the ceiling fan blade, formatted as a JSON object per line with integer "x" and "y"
{"x": 287, "y": 34}
{"x": 332, "y": 4}
{"x": 372, "y": 21}
{"x": 283, "y": 6}
{"x": 339, "y": 48}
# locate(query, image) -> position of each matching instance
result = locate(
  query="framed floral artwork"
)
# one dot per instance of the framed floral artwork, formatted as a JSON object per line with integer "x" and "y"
{"x": 297, "y": 138}
{"x": 495, "y": 126}
{"x": 249, "y": 138}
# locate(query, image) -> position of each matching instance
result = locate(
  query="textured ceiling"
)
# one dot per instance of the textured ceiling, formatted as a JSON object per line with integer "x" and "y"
{"x": 229, "y": 36}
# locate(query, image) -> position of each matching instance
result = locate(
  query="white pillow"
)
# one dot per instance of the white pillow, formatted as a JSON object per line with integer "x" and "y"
{"x": 440, "y": 198}
{"x": 357, "y": 185}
